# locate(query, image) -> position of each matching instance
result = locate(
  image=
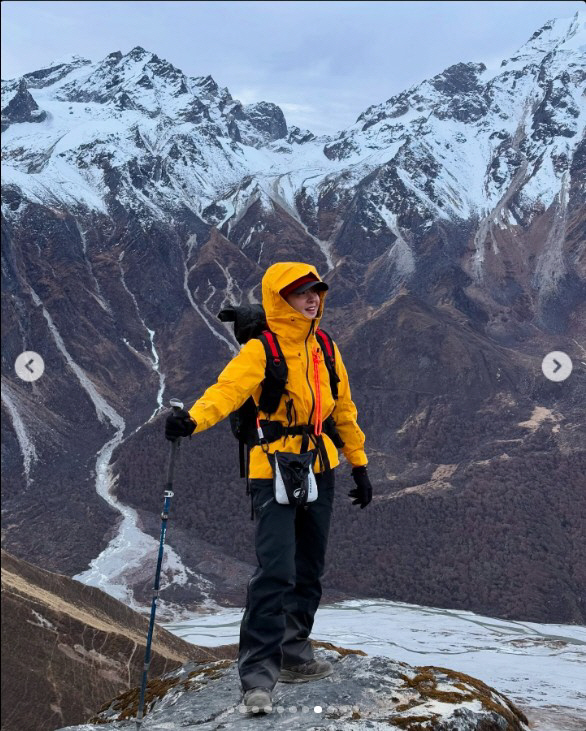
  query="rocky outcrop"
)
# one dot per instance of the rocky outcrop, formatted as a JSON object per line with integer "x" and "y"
{"x": 259, "y": 123}
{"x": 21, "y": 108}
{"x": 67, "y": 648}
{"x": 363, "y": 693}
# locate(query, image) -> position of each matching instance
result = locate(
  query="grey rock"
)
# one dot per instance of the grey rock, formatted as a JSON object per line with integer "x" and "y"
{"x": 363, "y": 693}
{"x": 268, "y": 119}
{"x": 21, "y": 108}
{"x": 299, "y": 136}
{"x": 256, "y": 124}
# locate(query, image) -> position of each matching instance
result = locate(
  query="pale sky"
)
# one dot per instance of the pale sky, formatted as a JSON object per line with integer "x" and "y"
{"x": 323, "y": 63}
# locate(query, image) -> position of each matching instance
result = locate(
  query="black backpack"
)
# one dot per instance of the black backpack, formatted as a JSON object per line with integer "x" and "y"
{"x": 250, "y": 322}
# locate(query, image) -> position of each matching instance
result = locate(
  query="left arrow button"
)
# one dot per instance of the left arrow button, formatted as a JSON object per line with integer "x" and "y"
{"x": 29, "y": 366}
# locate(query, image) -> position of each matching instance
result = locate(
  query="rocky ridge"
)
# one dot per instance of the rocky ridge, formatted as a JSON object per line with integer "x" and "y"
{"x": 363, "y": 693}
{"x": 72, "y": 647}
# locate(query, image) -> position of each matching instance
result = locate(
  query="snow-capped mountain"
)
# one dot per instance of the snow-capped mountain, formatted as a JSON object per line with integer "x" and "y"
{"x": 136, "y": 115}
{"x": 449, "y": 222}
{"x": 496, "y": 145}
{"x": 470, "y": 152}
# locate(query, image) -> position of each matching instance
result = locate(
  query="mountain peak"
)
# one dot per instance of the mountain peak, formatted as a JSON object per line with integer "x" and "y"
{"x": 206, "y": 84}
{"x": 560, "y": 28}
{"x": 70, "y": 59}
{"x": 55, "y": 71}
{"x": 113, "y": 57}
{"x": 138, "y": 52}
{"x": 458, "y": 78}
{"x": 555, "y": 34}
{"x": 19, "y": 106}
{"x": 138, "y": 80}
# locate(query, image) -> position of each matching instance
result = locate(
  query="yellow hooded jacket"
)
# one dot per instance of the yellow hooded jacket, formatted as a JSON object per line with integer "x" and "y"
{"x": 243, "y": 375}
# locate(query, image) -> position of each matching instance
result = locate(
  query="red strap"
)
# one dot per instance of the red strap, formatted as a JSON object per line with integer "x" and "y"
{"x": 326, "y": 341}
{"x": 272, "y": 345}
{"x": 317, "y": 428}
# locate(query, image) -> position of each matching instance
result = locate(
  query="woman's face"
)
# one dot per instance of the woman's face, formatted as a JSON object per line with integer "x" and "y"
{"x": 307, "y": 303}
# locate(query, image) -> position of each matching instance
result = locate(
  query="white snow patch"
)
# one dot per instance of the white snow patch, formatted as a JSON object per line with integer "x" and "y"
{"x": 400, "y": 252}
{"x": 41, "y": 621}
{"x": 230, "y": 297}
{"x": 103, "y": 410}
{"x": 157, "y": 370}
{"x": 69, "y": 189}
{"x": 233, "y": 349}
{"x": 25, "y": 442}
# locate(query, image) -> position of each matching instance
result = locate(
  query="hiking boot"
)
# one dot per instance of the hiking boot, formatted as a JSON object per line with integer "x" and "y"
{"x": 258, "y": 700}
{"x": 310, "y": 670}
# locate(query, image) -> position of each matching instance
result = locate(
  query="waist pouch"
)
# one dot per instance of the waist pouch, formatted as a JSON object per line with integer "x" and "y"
{"x": 294, "y": 481}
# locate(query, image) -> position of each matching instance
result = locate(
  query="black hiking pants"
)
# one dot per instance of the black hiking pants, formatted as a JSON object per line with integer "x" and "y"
{"x": 285, "y": 590}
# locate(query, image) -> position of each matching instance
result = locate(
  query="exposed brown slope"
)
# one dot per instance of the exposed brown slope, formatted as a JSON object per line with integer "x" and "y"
{"x": 67, "y": 648}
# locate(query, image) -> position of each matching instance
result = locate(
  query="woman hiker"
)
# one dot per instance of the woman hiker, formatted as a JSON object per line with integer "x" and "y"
{"x": 285, "y": 590}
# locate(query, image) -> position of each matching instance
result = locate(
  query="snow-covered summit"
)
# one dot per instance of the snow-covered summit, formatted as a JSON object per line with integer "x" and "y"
{"x": 478, "y": 130}
{"x": 557, "y": 35}
{"x": 139, "y": 80}
{"x": 128, "y": 108}
{"x": 456, "y": 142}
{"x": 55, "y": 71}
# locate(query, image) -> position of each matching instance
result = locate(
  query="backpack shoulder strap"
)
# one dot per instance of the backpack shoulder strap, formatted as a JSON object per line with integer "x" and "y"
{"x": 327, "y": 346}
{"x": 276, "y": 372}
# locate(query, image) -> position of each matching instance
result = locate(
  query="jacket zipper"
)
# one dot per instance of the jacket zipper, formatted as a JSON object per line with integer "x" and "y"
{"x": 307, "y": 373}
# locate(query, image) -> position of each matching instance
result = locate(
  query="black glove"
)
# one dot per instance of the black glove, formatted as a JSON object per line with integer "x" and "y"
{"x": 179, "y": 424}
{"x": 363, "y": 490}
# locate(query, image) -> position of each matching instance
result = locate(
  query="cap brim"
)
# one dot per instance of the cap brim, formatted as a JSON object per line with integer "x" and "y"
{"x": 319, "y": 286}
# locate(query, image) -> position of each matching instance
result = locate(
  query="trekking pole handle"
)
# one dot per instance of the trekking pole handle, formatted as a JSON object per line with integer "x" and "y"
{"x": 177, "y": 406}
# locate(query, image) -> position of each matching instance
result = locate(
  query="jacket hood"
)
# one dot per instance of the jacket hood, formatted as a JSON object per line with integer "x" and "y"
{"x": 283, "y": 319}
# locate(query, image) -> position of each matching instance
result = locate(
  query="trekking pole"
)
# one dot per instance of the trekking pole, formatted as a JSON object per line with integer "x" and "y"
{"x": 176, "y": 405}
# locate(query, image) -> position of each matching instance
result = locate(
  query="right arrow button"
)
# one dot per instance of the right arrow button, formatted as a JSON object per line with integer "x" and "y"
{"x": 556, "y": 366}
